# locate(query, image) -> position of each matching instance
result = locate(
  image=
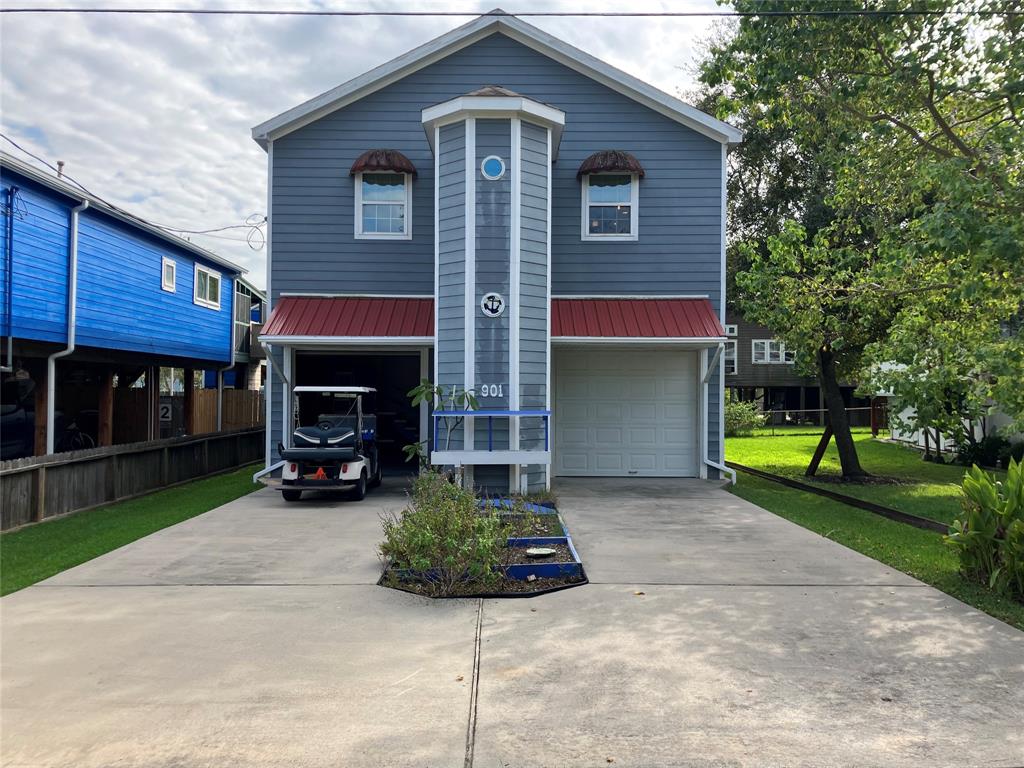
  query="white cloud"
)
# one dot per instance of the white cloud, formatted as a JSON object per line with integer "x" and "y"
{"x": 153, "y": 112}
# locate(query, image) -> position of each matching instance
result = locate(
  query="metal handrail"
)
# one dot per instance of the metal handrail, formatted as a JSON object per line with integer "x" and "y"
{"x": 490, "y": 414}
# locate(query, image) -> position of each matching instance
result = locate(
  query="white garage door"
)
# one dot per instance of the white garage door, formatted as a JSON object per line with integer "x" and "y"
{"x": 625, "y": 413}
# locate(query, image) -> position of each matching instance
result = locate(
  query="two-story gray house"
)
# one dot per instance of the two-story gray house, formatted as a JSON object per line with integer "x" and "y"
{"x": 501, "y": 212}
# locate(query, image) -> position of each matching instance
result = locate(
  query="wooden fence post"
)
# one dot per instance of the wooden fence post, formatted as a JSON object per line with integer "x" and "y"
{"x": 105, "y": 428}
{"x": 190, "y": 401}
{"x": 40, "y": 494}
{"x": 39, "y": 377}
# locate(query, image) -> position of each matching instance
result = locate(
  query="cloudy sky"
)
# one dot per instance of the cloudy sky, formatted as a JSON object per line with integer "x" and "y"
{"x": 153, "y": 113}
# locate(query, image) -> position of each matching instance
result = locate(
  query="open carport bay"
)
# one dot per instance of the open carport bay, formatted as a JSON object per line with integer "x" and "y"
{"x": 391, "y": 373}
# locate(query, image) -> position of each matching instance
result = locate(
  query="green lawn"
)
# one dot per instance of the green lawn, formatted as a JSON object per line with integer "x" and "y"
{"x": 922, "y": 554}
{"x": 40, "y": 551}
{"x": 925, "y": 489}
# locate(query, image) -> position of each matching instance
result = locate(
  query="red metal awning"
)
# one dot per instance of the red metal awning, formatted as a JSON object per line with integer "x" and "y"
{"x": 351, "y": 317}
{"x": 634, "y": 318}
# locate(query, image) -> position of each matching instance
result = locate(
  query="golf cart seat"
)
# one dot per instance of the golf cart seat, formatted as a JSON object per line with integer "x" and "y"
{"x": 314, "y": 454}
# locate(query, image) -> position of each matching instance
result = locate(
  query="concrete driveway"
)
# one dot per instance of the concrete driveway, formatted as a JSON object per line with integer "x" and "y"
{"x": 712, "y": 634}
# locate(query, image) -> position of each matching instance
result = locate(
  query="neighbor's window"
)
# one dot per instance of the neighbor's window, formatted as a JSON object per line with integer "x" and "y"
{"x": 169, "y": 274}
{"x": 610, "y": 206}
{"x": 729, "y": 355}
{"x": 207, "y": 287}
{"x": 770, "y": 351}
{"x": 383, "y": 205}
{"x": 730, "y": 329}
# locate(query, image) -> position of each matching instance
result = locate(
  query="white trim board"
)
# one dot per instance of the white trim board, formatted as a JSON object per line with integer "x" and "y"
{"x": 496, "y": 21}
{"x": 458, "y": 458}
{"x": 418, "y": 341}
{"x": 694, "y": 341}
{"x": 633, "y": 296}
{"x": 358, "y": 295}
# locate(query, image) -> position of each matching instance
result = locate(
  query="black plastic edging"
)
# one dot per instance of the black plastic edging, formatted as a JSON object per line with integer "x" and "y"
{"x": 893, "y": 514}
{"x": 487, "y": 595}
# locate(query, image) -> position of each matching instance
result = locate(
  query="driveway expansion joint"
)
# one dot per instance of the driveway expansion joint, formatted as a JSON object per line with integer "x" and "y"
{"x": 474, "y": 689}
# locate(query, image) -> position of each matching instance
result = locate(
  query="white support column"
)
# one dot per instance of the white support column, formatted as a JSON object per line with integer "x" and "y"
{"x": 550, "y": 361}
{"x": 424, "y": 408}
{"x": 286, "y": 397}
{"x": 469, "y": 376}
{"x": 702, "y": 413}
{"x": 514, "y": 277}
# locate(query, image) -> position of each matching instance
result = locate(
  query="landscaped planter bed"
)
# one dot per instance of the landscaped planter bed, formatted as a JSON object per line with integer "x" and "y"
{"x": 523, "y": 575}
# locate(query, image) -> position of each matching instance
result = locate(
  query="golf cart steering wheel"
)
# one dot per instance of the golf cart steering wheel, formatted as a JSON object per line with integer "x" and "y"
{"x": 325, "y": 425}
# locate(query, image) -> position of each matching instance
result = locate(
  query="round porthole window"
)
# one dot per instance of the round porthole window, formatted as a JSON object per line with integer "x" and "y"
{"x": 493, "y": 168}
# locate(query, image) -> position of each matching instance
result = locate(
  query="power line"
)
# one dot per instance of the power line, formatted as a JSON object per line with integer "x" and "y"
{"x": 867, "y": 12}
{"x": 252, "y": 223}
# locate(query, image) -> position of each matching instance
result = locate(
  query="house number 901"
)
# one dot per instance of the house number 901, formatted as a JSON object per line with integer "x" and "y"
{"x": 491, "y": 390}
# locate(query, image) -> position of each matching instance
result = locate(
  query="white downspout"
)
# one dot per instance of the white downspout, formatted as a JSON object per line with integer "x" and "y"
{"x": 704, "y": 394}
{"x": 51, "y": 361}
{"x": 228, "y": 367}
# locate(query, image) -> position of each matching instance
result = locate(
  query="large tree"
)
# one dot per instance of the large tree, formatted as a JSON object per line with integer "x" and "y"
{"x": 913, "y": 124}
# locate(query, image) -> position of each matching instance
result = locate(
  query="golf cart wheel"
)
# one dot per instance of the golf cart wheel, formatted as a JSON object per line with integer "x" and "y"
{"x": 378, "y": 477}
{"x": 291, "y": 494}
{"x": 359, "y": 492}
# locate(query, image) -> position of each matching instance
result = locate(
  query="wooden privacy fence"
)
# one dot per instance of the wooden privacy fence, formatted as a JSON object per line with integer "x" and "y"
{"x": 40, "y": 487}
{"x": 242, "y": 408}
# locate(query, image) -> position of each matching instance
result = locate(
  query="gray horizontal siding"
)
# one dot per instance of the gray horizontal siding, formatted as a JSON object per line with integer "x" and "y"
{"x": 679, "y": 246}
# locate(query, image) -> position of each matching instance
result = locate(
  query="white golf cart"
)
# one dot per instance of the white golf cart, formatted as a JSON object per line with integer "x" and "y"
{"x": 337, "y": 447}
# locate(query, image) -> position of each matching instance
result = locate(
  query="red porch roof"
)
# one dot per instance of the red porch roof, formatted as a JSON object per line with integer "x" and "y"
{"x": 634, "y": 318}
{"x": 351, "y": 316}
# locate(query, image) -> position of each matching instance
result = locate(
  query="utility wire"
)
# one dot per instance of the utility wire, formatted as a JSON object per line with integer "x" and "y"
{"x": 546, "y": 14}
{"x": 252, "y": 223}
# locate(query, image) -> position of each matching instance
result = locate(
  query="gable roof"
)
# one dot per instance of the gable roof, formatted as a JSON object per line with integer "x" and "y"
{"x": 62, "y": 187}
{"x": 497, "y": 21}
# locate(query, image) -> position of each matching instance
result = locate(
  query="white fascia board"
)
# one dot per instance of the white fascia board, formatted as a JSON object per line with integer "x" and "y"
{"x": 328, "y": 341}
{"x": 476, "y": 30}
{"x": 637, "y": 296}
{"x": 691, "y": 341}
{"x": 510, "y": 107}
{"x": 459, "y": 458}
{"x": 321, "y": 295}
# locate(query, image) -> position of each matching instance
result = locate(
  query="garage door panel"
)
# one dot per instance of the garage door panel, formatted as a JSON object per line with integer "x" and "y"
{"x": 643, "y": 438}
{"x": 609, "y": 412}
{"x": 573, "y": 436}
{"x": 608, "y": 462}
{"x": 625, "y": 413}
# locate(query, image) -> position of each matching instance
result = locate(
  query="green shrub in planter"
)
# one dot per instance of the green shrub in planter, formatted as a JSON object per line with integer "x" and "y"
{"x": 444, "y": 537}
{"x": 742, "y": 418}
{"x": 989, "y": 535}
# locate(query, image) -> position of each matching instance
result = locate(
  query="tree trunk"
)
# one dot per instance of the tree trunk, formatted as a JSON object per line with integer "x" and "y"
{"x": 838, "y": 418}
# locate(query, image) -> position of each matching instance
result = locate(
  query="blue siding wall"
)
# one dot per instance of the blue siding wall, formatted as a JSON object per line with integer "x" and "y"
{"x": 678, "y": 250}
{"x": 40, "y": 295}
{"x": 533, "y": 296}
{"x": 121, "y": 304}
{"x": 451, "y": 302}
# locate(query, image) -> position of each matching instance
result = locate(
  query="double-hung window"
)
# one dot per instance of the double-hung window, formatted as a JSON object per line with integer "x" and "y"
{"x": 383, "y": 206}
{"x": 207, "y": 293}
{"x": 168, "y": 274}
{"x": 729, "y": 356}
{"x": 610, "y": 206}
{"x": 770, "y": 351}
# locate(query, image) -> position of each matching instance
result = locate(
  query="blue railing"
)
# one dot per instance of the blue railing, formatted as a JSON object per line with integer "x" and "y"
{"x": 546, "y": 415}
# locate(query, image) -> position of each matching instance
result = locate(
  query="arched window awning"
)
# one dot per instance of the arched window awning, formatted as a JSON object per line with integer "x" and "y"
{"x": 611, "y": 161}
{"x": 382, "y": 161}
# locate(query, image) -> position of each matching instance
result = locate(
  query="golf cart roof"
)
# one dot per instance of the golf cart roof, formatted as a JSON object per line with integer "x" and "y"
{"x": 335, "y": 390}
